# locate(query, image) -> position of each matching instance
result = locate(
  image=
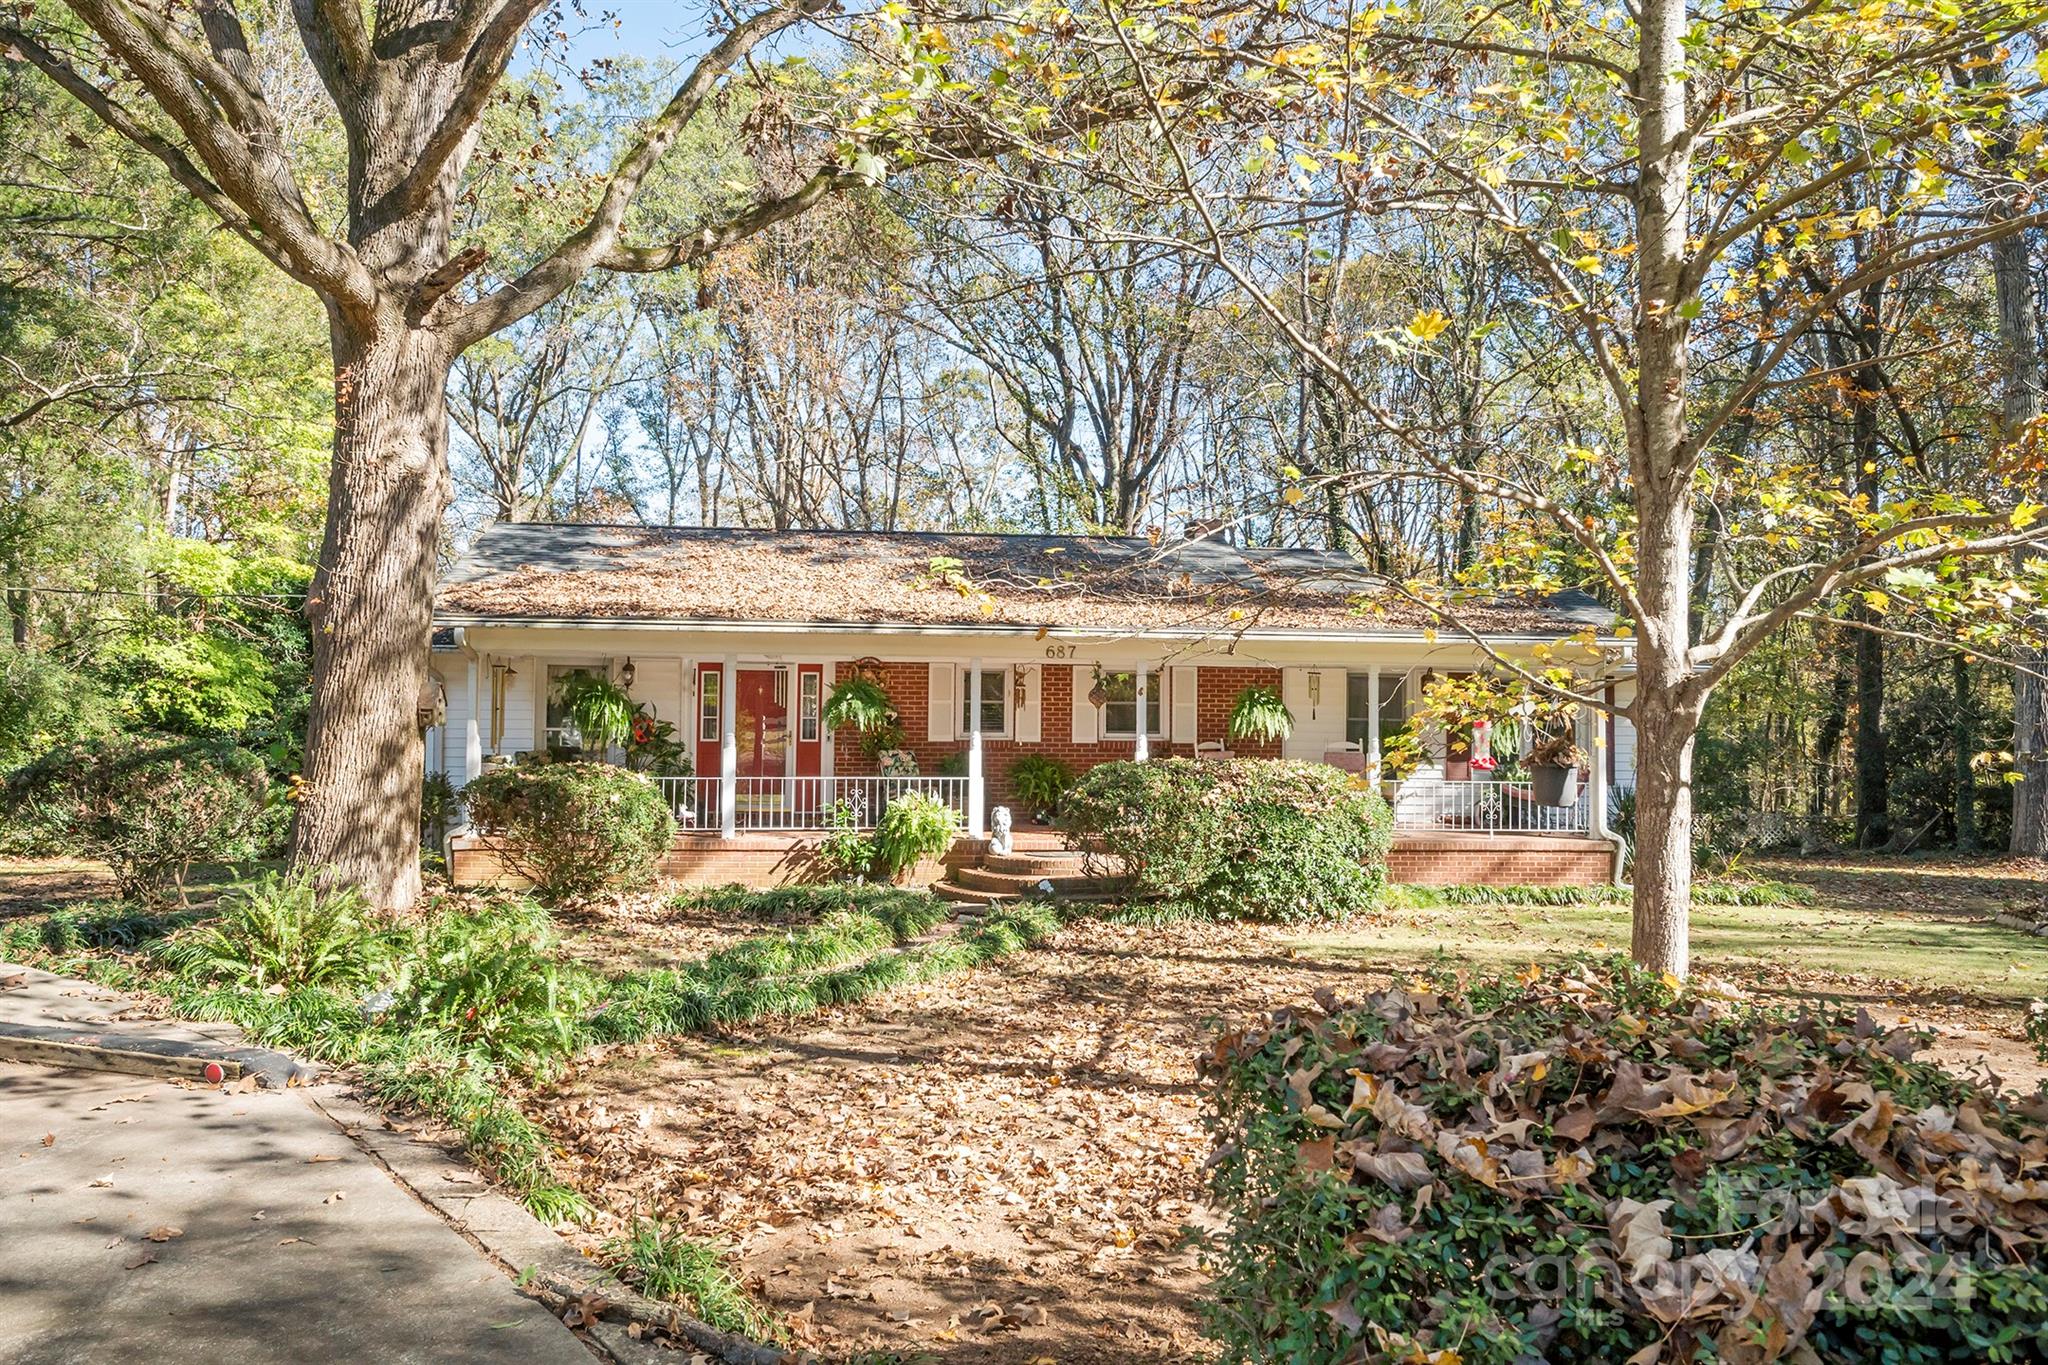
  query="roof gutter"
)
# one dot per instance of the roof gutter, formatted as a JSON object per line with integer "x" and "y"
{"x": 1036, "y": 632}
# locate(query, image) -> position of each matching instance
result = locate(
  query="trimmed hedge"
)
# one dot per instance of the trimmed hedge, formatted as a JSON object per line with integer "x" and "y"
{"x": 1598, "y": 1165}
{"x": 573, "y": 829}
{"x": 1266, "y": 839}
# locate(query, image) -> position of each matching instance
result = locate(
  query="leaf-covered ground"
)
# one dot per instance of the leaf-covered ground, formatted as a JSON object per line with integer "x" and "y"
{"x": 999, "y": 1166}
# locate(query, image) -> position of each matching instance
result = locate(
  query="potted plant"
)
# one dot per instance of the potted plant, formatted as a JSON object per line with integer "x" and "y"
{"x": 1259, "y": 717}
{"x": 652, "y": 748}
{"x": 1040, "y": 782}
{"x": 601, "y": 710}
{"x": 1554, "y": 761}
{"x": 859, "y": 704}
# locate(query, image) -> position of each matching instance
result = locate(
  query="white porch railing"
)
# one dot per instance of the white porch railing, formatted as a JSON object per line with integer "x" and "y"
{"x": 799, "y": 803}
{"x": 1487, "y": 805}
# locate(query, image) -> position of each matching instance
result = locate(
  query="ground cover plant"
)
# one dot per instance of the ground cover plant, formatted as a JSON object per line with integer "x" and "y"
{"x": 1268, "y": 839}
{"x": 1599, "y": 1163}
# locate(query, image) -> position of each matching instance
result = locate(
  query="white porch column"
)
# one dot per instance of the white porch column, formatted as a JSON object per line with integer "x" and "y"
{"x": 1142, "y": 750}
{"x": 1372, "y": 724}
{"x": 472, "y": 734}
{"x": 1595, "y": 745}
{"x": 977, "y": 793}
{"x": 728, "y": 751}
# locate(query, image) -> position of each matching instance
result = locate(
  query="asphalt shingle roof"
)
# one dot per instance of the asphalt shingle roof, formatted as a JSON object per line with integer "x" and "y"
{"x": 617, "y": 573}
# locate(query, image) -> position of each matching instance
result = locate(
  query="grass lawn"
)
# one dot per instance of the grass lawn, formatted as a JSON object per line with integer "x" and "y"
{"x": 1870, "y": 954}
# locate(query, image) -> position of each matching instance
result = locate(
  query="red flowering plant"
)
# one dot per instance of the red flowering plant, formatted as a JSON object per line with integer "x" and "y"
{"x": 652, "y": 748}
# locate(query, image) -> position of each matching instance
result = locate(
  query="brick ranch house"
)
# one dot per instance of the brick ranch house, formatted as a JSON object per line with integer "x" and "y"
{"x": 1084, "y": 649}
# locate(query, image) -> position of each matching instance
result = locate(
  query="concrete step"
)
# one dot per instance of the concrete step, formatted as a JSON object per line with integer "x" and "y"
{"x": 1069, "y": 881}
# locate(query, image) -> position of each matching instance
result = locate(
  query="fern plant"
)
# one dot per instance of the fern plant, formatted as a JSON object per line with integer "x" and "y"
{"x": 283, "y": 931}
{"x": 858, "y": 704}
{"x": 601, "y": 709}
{"x": 914, "y": 826}
{"x": 1259, "y": 716}
{"x": 1040, "y": 782}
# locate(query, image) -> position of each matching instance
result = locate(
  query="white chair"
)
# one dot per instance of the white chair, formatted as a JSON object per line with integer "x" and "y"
{"x": 1212, "y": 751}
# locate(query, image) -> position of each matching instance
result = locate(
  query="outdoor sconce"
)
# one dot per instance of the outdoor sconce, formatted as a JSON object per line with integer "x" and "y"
{"x": 628, "y": 673}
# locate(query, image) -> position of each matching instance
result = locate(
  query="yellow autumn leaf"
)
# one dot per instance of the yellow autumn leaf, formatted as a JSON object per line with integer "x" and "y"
{"x": 1428, "y": 325}
{"x": 1292, "y": 496}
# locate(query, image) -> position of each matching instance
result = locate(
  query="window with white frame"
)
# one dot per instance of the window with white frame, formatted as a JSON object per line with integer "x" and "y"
{"x": 561, "y": 731}
{"x": 1120, "y": 708}
{"x": 708, "y": 681}
{"x": 807, "y": 706}
{"x": 995, "y": 702}
{"x": 1393, "y": 706}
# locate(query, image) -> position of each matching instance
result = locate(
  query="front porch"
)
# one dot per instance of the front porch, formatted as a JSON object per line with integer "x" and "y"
{"x": 772, "y": 778}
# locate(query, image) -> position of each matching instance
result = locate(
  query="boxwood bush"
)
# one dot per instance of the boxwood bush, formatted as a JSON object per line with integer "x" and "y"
{"x": 1593, "y": 1164}
{"x": 1269, "y": 839}
{"x": 150, "y": 805}
{"x": 572, "y": 829}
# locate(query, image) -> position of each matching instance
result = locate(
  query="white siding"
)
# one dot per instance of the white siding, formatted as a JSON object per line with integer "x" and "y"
{"x": 1318, "y": 725}
{"x": 658, "y": 686}
{"x": 522, "y": 704}
{"x": 453, "y": 734}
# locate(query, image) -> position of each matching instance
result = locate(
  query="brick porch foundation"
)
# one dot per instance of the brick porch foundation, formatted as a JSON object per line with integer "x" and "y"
{"x": 765, "y": 860}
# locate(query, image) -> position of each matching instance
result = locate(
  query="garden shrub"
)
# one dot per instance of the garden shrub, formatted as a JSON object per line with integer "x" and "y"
{"x": 913, "y": 827}
{"x": 150, "y": 805}
{"x": 1597, "y": 1164}
{"x": 283, "y": 931}
{"x": 573, "y": 829}
{"x": 1268, "y": 839}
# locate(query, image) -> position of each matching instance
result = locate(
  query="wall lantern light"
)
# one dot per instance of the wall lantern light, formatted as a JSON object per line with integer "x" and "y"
{"x": 627, "y": 674}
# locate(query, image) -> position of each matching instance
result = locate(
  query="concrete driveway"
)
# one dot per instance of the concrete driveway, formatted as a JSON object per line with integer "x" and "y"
{"x": 161, "y": 1222}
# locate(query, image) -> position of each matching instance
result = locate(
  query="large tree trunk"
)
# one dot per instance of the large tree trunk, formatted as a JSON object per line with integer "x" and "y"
{"x": 1661, "y": 465}
{"x": 1963, "y": 738}
{"x": 1666, "y": 725}
{"x": 371, "y": 611}
{"x": 2022, "y": 383}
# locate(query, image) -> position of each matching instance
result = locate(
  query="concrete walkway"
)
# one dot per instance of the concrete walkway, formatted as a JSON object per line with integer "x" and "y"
{"x": 166, "y": 1222}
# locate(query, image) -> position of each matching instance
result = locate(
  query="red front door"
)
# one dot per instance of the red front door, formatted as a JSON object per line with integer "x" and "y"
{"x": 762, "y": 727}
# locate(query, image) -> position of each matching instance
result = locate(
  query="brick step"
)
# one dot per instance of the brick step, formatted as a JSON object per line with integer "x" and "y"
{"x": 1025, "y": 863}
{"x": 1073, "y": 880}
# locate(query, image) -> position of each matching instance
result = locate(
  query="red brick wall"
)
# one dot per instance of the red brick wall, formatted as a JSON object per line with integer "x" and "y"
{"x": 909, "y": 686}
{"x": 1500, "y": 860}
{"x": 756, "y": 860}
{"x": 1218, "y": 693}
{"x": 766, "y": 860}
